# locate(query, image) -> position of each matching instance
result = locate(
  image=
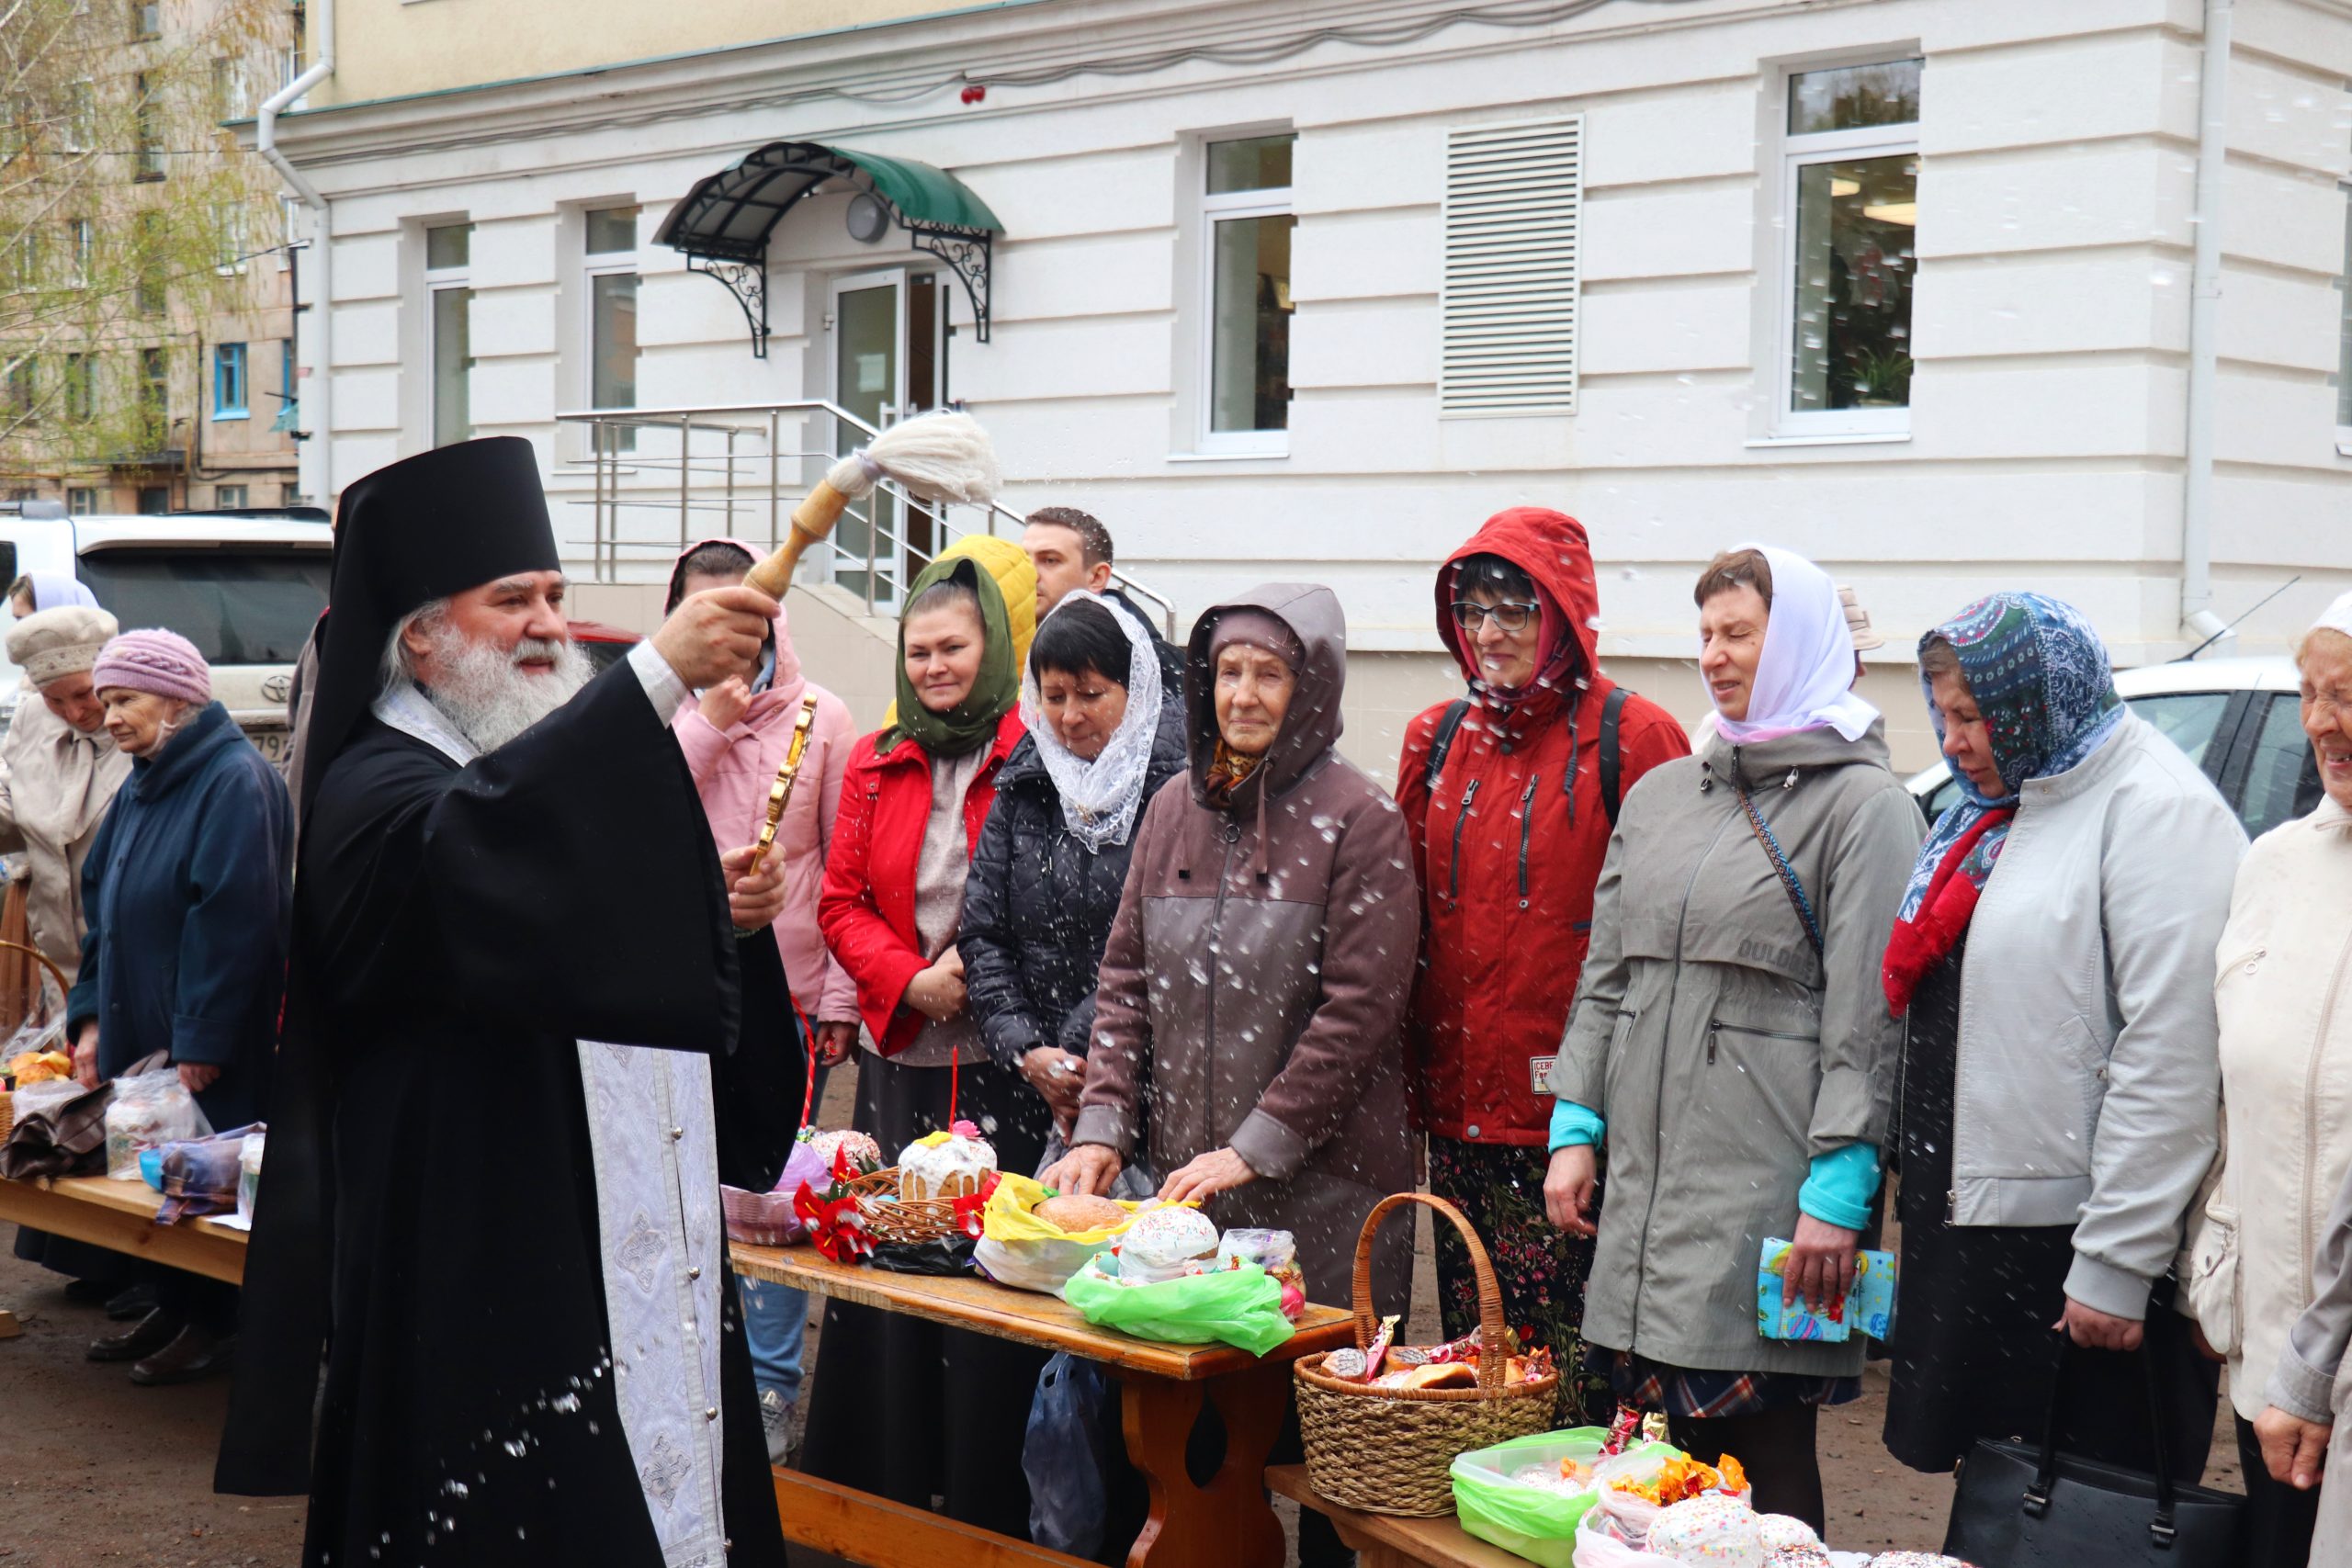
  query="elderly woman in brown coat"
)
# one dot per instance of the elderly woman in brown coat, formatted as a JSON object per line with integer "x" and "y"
{"x": 1249, "y": 1019}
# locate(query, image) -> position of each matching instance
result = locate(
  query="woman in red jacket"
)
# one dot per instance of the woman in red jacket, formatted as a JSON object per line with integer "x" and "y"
{"x": 905, "y": 1408}
{"x": 1510, "y": 796}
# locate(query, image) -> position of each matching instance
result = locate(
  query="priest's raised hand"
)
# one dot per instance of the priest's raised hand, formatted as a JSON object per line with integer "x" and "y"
{"x": 716, "y": 635}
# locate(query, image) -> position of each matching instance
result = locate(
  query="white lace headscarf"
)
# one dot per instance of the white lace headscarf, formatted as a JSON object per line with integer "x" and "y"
{"x": 1101, "y": 799}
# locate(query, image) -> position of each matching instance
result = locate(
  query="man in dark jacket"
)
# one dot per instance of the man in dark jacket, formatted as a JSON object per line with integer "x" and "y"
{"x": 1072, "y": 549}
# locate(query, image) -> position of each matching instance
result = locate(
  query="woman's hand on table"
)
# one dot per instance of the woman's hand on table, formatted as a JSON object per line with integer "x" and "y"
{"x": 1220, "y": 1170}
{"x": 1820, "y": 1266}
{"x": 836, "y": 1038}
{"x": 1568, "y": 1189}
{"x": 198, "y": 1076}
{"x": 1086, "y": 1171}
{"x": 86, "y": 1055}
{"x": 937, "y": 992}
{"x": 2293, "y": 1449}
{"x": 2095, "y": 1330}
{"x": 1059, "y": 1077}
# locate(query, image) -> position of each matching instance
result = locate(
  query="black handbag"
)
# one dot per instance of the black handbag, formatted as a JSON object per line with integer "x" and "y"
{"x": 2027, "y": 1505}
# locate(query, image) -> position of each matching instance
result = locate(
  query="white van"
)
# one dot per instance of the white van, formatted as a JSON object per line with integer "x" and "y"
{"x": 245, "y": 587}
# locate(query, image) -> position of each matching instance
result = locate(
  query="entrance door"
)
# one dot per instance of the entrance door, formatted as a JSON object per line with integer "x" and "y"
{"x": 889, "y": 362}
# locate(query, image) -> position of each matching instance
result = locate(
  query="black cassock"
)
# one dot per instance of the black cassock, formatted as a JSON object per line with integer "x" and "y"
{"x": 457, "y": 932}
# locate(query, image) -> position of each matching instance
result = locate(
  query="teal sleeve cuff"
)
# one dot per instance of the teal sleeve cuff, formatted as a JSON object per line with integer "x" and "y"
{"x": 1573, "y": 1124}
{"x": 1839, "y": 1190}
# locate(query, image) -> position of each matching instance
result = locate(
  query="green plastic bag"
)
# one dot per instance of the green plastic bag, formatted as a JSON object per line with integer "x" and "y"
{"x": 1528, "y": 1521}
{"x": 1241, "y": 1307}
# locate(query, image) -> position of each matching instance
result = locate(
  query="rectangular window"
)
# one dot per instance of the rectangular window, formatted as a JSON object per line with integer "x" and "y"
{"x": 229, "y": 391}
{"x": 81, "y": 501}
{"x": 155, "y": 501}
{"x": 146, "y": 18}
{"x": 80, "y": 389}
{"x": 80, "y": 117}
{"x": 149, "y": 276}
{"x": 21, "y": 391}
{"x": 449, "y": 255}
{"x": 610, "y": 290}
{"x": 229, "y": 90}
{"x": 229, "y": 236}
{"x": 81, "y": 245}
{"x": 2344, "y": 336}
{"x": 1849, "y": 199}
{"x": 289, "y": 404}
{"x": 155, "y": 390}
{"x": 228, "y": 498}
{"x": 1246, "y": 226}
{"x": 147, "y": 129}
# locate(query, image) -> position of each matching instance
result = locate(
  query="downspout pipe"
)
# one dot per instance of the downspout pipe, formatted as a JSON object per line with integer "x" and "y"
{"x": 317, "y": 462}
{"x": 2196, "y": 617}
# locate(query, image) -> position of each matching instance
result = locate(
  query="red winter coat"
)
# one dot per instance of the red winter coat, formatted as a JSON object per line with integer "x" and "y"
{"x": 1507, "y": 848}
{"x": 868, "y": 908}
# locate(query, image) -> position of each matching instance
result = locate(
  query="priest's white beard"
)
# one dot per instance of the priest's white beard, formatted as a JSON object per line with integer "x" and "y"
{"x": 486, "y": 692}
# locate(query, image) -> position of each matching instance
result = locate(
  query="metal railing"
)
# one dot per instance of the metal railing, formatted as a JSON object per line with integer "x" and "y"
{"x": 664, "y": 477}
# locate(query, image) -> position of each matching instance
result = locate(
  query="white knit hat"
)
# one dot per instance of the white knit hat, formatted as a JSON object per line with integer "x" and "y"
{"x": 52, "y": 644}
{"x": 2336, "y": 618}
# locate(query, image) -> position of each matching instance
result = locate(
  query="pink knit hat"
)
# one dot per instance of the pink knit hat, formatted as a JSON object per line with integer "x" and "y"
{"x": 154, "y": 661}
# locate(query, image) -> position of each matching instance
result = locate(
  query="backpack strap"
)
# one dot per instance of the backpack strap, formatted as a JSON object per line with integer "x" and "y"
{"x": 1611, "y": 751}
{"x": 1442, "y": 742}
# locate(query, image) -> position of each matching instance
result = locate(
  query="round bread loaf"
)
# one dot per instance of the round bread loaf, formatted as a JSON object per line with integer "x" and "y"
{"x": 1071, "y": 1213}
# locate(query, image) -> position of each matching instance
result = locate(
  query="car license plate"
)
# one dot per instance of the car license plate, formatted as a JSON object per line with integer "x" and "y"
{"x": 272, "y": 743}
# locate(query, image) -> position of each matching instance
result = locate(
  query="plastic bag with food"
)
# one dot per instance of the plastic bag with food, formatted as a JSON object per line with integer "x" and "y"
{"x": 148, "y": 1110}
{"x": 1022, "y": 1245}
{"x": 1529, "y": 1494}
{"x": 1242, "y": 1306}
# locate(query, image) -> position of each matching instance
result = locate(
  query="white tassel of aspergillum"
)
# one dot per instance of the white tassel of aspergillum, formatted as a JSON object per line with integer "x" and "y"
{"x": 941, "y": 456}
{"x": 936, "y": 456}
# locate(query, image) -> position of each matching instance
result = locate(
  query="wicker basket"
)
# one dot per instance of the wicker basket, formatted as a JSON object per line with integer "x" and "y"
{"x": 7, "y": 1099}
{"x": 894, "y": 1219}
{"x": 1388, "y": 1451}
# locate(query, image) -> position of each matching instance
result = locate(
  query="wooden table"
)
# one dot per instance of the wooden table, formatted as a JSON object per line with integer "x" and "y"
{"x": 120, "y": 1215}
{"x": 1227, "y": 1523}
{"x": 1383, "y": 1541}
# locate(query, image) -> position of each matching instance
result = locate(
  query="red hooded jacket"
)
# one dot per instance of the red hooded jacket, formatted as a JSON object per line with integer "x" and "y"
{"x": 1508, "y": 846}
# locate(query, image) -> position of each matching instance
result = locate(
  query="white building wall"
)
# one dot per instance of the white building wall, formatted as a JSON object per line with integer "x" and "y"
{"x": 2051, "y": 319}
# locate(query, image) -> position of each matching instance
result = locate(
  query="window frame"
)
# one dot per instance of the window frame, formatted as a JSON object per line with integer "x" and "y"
{"x": 81, "y": 501}
{"x": 231, "y": 372}
{"x": 594, "y": 265}
{"x": 1211, "y": 210}
{"x": 78, "y": 392}
{"x": 146, "y": 133}
{"x": 231, "y": 498}
{"x": 1797, "y": 151}
{"x": 435, "y": 281}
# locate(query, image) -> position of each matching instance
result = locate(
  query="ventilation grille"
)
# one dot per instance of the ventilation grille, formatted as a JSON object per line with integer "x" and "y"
{"x": 1514, "y": 196}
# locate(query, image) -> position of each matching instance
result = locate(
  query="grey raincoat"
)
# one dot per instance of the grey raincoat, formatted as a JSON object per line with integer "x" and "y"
{"x": 1721, "y": 1051}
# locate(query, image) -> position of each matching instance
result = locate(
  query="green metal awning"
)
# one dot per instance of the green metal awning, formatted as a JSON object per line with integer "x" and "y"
{"x": 724, "y": 222}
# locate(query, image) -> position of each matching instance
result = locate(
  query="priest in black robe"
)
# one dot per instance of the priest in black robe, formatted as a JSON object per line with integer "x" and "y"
{"x": 524, "y": 1045}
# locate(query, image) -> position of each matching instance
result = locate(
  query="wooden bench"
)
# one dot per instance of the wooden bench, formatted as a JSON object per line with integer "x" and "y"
{"x": 1383, "y": 1541}
{"x": 120, "y": 1217}
{"x": 1227, "y": 1523}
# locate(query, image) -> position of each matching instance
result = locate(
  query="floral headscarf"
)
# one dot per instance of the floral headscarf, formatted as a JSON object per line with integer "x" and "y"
{"x": 2045, "y": 686}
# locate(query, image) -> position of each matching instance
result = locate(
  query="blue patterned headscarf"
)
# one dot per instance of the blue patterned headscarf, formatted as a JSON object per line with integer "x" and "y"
{"x": 2042, "y": 681}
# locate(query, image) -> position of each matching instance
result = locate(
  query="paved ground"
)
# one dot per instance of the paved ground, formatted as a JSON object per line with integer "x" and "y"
{"x": 94, "y": 1469}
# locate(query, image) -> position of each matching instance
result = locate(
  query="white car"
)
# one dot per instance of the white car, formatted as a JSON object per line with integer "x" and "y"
{"x": 245, "y": 587}
{"x": 2239, "y": 719}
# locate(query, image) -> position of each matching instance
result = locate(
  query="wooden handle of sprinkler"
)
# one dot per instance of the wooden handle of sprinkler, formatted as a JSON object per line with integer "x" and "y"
{"x": 812, "y": 522}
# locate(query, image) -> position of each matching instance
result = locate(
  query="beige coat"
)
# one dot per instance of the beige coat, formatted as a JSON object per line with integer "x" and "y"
{"x": 55, "y": 786}
{"x": 2284, "y": 963}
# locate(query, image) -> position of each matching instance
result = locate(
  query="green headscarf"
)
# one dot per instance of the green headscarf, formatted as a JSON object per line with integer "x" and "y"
{"x": 970, "y": 724}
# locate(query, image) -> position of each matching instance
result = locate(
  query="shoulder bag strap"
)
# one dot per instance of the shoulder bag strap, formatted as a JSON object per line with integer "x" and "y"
{"x": 1442, "y": 742}
{"x": 1789, "y": 880}
{"x": 1611, "y": 752}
